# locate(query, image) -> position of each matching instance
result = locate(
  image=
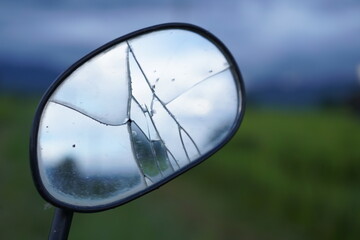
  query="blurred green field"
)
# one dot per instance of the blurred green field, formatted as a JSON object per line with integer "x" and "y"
{"x": 285, "y": 175}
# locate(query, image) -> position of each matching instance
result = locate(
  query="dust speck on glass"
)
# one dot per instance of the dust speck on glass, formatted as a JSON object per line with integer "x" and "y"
{"x": 135, "y": 114}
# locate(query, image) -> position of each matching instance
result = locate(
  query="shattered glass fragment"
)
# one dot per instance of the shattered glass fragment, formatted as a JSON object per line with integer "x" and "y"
{"x": 152, "y": 129}
{"x": 137, "y": 115}
{"x": 145, "y": 154}
{"x": 83, "y": 91}
{"x": 162, "y": 158}
{"x": 148, "y": 181}
{"x": 140, "y": 89}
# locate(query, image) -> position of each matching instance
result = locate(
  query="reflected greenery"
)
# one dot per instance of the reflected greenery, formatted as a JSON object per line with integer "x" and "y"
{"x": 68, "y": 179}
{"x": 162, "y": 157}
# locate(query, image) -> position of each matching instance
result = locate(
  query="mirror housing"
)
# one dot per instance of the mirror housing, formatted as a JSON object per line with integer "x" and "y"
{"x": 134, "y": 114}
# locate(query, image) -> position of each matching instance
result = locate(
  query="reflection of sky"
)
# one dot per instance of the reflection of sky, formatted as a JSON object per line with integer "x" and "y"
{"x": 174, "y": 61}
{"x": 95, "y": 147}
{"x": 97, "y": 87}
{"x": 291, "y": 42}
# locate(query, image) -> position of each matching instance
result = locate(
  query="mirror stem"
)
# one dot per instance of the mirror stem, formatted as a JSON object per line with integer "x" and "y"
{"x": 61, "y": 223}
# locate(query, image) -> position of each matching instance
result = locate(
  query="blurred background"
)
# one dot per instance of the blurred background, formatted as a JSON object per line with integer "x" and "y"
{"x": 291, "y": 172}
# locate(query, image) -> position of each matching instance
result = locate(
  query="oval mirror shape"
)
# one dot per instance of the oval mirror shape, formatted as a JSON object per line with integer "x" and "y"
{"x": 134, "y": 114}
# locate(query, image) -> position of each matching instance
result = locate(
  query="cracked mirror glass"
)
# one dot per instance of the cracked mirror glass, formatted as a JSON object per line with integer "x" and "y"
{"x": 135, "y": 114}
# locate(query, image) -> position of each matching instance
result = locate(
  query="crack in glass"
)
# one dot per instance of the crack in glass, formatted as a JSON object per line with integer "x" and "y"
{"x": 150, "y": 110}
{"x": 198, "y": 83}
{"x": 87, "y": 115}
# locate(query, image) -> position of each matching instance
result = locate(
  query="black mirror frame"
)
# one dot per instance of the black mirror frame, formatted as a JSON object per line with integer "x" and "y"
{"x": 34, "y": 132}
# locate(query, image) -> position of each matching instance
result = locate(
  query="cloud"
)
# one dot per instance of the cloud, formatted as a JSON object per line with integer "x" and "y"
{"x": 266, "y": 37}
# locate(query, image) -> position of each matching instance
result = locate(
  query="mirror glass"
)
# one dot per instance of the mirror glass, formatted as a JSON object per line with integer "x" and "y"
{"x": 135, "y": 114}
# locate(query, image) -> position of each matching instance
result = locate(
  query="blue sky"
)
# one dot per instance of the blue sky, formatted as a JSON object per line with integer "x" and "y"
{"x": 290, "y": 43}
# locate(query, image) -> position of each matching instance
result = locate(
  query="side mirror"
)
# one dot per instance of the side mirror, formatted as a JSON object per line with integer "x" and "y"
{"x": 132, "y": 115}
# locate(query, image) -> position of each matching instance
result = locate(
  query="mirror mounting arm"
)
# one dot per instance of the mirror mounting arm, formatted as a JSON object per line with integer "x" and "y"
{"x": 60, "y": 225}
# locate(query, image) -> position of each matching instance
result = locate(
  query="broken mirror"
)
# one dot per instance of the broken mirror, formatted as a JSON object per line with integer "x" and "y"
{"x": 134, "y": 114}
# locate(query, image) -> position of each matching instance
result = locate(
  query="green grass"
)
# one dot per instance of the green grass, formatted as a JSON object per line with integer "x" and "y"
{"x": 285, "y": 175}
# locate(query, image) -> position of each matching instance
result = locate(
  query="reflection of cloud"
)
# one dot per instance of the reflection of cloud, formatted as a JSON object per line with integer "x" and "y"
{"x": 174, "y": 61}
{"x": 206, "y": 108}
{"x": 197, "y": 106}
